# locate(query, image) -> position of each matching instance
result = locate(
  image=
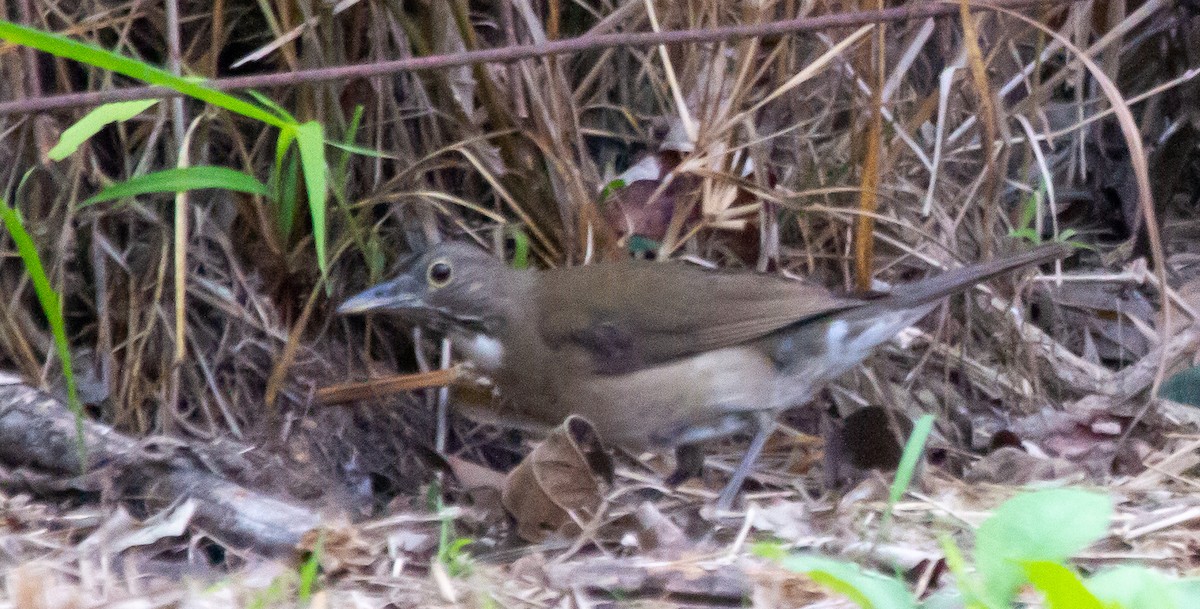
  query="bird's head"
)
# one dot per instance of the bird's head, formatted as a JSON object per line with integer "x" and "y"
{"x": 450, "y": 284}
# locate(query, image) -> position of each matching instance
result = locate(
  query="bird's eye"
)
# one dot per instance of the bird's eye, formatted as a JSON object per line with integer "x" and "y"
{"x": 439, "y": 273}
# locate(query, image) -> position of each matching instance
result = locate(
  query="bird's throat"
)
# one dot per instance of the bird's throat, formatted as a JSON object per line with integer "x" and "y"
{"x": 483, "y": 350}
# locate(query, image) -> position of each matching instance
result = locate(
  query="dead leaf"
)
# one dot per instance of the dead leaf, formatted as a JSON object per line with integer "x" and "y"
{"x": 556, "y": 480}
{"x": 1013, "y": 466}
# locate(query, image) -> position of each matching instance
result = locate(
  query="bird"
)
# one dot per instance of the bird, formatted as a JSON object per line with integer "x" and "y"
{"x": 657, "y": 355}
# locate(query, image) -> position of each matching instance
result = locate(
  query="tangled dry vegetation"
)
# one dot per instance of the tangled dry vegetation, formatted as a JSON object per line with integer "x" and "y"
{"x": 798, "y": 153}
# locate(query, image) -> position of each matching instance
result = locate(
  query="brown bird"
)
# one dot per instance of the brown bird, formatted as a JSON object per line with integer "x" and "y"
{"x": 657, "y": 355}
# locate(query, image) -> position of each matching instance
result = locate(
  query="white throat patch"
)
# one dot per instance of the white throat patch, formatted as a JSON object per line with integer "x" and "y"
{"x": 485, "y": 351}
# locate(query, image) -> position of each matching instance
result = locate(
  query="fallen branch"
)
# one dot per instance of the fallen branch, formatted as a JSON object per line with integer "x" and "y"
{"x": 37, "y": 432}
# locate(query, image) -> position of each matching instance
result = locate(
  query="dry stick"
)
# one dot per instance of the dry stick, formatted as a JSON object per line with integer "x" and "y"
{"x": 587, "y": 42}
{"x": 868, "y": 201}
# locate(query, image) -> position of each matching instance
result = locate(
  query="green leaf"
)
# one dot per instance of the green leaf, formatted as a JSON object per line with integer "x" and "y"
{"x": 1140, "y": 588}
{"x": 309, "y": 571}
{"x": 62, "y": 46}
{"x": 907, "y": 467}
{"x": 92, "y": 122}
{"x": 1182, "y": 387}
{"x": 270, "y": 103}
{"x": 180, "y": 179}
{"x": 310, "y": 137}
{"x": 362, "y": 150}
{"x": 520, "y": 248}
{"x": 1049, "y": 525}
{"x": 1062, "y": 586}
{"x": 866, "y": 589}
{"x": 1025, "y": 233}
{"x": 610, "y": 188}
{"x": 51, "y": 305}
{"x": 909, "y": 459}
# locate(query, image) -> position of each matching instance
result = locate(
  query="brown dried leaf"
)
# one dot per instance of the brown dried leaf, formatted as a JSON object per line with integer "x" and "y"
{"x": 556, "y": 480}
{"x": 1013, "y": 466}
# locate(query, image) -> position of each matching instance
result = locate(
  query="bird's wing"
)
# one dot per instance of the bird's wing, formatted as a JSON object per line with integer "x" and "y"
{"x": 640, "y": 314}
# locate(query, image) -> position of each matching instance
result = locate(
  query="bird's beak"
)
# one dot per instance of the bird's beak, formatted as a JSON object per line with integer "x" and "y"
{"x": 399, "y": 294}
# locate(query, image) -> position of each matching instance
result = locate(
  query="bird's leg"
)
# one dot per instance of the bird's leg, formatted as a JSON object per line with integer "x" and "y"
{"x": 764, "y": 424}
{"x": 689, "y": 463}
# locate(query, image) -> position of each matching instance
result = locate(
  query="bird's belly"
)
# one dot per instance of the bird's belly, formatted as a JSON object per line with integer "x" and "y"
{"x": 691, "y": 400}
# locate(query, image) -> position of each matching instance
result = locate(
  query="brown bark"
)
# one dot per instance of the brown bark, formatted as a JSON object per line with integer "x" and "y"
{"x": 38, "y": 434}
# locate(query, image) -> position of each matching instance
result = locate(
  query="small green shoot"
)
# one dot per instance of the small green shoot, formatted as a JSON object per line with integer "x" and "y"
{"x": 309, "y": 571}
{"x": 51, "y": 304}
{"x": 1027, "y": 230}
{"x": 610, "y": 188}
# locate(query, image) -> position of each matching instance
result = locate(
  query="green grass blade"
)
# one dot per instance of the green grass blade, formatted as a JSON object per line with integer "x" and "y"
{"x": 180, "y": 179}
{"x": 310, "y": 137}
{"x": 52, "y": 307}
{"x": 285, "y": 183}
{"x": 907, "y": 468}
{"x": 270, "y": 103}
{"x": 309, "y": 571}
{"x": 62, "y": 46}
{"x": 93, "y": 122}
{"x": 362, "y": 150}
{"x": 909, "y": 459}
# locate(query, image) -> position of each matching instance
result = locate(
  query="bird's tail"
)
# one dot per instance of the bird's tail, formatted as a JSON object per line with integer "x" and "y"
{"x": 956, "y": 280}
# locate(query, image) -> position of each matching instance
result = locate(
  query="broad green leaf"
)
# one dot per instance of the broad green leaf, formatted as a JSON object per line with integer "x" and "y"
{"x": 179, "y": 179}
{"x": 62, "y": 46}
{"x": 1062, "y": 587}
{"x": 92, "y": 122}
{"x": 866, "y": 589}
{"x": 1182, "y": 387}
{"x": 1049, "y": 525}
{"x": 944, "y": 598}
{"x": 1140, "y": 588}
{"x": 310, "y": 137}
{"x": 51, "y": 305}
{"x": 1187, "y": 591}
